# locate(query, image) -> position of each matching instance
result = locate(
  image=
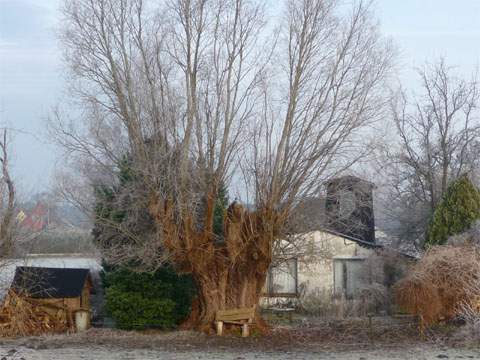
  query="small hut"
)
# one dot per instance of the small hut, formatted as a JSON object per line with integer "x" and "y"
{"x": 58, "y": 288}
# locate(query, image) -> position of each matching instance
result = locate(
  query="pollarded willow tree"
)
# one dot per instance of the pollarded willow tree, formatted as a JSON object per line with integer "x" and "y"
{"x": 203, "y": 93}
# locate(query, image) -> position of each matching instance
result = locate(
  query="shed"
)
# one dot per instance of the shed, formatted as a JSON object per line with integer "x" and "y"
{"x": 64, "y": 288}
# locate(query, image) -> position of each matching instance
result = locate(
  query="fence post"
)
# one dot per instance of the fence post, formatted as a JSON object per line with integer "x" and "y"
{"x": 370, "y": 326}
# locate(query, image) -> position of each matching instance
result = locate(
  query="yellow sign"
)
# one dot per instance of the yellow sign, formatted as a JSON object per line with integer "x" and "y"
{"x": 21, "y": 216}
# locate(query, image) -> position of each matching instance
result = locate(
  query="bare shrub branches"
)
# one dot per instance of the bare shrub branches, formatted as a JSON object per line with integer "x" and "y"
{"x": 441, "y": 284}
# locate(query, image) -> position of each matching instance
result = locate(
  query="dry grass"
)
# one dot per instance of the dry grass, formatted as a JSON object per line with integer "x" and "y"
{"x": 444, "y": 279}
{"x": 344, "y": 334}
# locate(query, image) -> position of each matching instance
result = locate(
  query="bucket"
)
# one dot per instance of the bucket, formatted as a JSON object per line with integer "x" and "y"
{"x": 81, "y": 320}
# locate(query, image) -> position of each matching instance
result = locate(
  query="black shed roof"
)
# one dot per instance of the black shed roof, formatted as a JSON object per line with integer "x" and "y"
{"x": 41, "y": 282}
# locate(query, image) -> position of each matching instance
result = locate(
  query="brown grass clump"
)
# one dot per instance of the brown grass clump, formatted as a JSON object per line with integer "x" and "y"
{"x": 435, "y": 288}
{"x": 21, "y": 316}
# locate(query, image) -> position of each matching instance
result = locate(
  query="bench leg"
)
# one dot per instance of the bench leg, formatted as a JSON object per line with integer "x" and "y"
{"x": 219, "y": 328}
{"x": 245, "y": 330}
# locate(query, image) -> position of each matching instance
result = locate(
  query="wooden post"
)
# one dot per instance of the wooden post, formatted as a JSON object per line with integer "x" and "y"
{"x": 370, "y": 326}
{"x": 341, "y": 302}
{"x": 421, "y": 327}
{"x": 219, "y": 328}
{"x": 245, "y": 330}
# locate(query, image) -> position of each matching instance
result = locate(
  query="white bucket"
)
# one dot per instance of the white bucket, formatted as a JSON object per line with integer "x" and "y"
{"x": 81, "y": 320}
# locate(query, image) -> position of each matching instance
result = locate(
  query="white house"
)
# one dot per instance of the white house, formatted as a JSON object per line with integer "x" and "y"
{"x": 331, "y": 250}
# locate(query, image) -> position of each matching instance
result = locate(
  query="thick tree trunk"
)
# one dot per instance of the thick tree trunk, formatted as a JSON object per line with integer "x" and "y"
{"x": 235, "y": 277}
{"x": 228, "y": 275}
{"x": 231, "y": 290}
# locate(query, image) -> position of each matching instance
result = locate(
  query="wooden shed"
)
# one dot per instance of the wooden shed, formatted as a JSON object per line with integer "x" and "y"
{"x": 61, "y": 288}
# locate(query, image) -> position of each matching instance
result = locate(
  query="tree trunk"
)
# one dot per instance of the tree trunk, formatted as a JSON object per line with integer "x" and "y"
{"x": 228, "y": 275}
{"x": 230, "y": 290}
{"x": 6, "y": 236}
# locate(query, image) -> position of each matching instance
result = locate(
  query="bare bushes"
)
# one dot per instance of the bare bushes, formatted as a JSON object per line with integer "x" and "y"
{"x": 443, "y": 282}
{"x": 470, "y": 236}
{"x": 369, "y": 290}
{"x": 375, "y": 299}
{"x": 317, "y": 303}
{"x": 370, "y": 299}
{"x": 381, "y": 271}
{"x": 416, "y": 295}
{"x": 470, "y": 314}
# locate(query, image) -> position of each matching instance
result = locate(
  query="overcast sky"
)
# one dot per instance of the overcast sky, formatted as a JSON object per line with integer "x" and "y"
{"x": 31, "y": 79}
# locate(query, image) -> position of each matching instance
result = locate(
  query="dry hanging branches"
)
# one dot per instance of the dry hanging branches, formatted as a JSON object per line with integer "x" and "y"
{"x": 444, "y": 280}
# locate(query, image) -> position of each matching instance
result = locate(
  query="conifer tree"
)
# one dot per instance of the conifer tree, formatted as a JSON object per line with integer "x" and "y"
{"x": 458, "y": 210}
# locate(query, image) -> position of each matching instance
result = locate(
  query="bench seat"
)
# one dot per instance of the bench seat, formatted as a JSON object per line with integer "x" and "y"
{"x": 242, "y": 316}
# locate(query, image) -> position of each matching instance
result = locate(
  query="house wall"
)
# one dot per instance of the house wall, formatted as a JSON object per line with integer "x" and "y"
{"x": 315, "y": 267}
{"x": 315, "y": 263}
{"x": 72, "y": 304}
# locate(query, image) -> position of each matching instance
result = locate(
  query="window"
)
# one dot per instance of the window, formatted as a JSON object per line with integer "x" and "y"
{"x": 348, "y": 276}
{"x": 282, "y": 279}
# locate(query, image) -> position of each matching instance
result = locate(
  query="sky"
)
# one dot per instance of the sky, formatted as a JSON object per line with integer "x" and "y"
{"x": 32, "y": 78}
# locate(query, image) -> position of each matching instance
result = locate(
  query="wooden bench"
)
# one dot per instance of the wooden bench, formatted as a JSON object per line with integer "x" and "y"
{"x": 243, "y": 317}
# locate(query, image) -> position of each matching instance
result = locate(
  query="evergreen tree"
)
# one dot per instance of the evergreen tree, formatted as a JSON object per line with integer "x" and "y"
{"x": 458, "y": 210}
{"x": 136, "y": 300}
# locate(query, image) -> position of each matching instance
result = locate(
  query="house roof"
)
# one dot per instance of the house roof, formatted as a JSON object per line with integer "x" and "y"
{"x": 349, "y": 179}
{"x": 366, "y": 244}
{"x": 310, "y": 215}
{"x": 36, "y": 220}
{"x": 41, "y": 282}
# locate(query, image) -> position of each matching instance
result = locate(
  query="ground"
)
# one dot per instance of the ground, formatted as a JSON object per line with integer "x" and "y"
{"x": 360, "y": 339}
{"x": 115, "y": 353}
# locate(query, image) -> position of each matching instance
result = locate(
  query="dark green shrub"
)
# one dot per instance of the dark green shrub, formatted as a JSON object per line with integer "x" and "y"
{"x": 137, "y": 300}
{"x": 133, "y": 311}
{"x": 458, "y": 210}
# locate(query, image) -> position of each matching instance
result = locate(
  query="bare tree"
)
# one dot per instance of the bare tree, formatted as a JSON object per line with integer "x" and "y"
{"x": 199, "y": 92}
{"x": 8, "y": 201}
{"x": 439, "y": 132}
